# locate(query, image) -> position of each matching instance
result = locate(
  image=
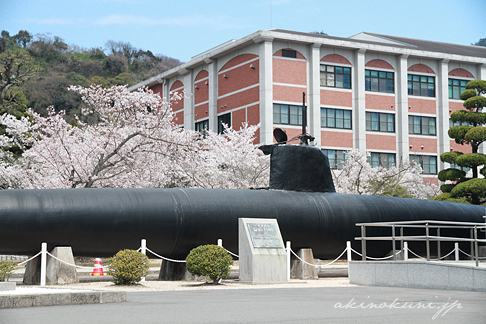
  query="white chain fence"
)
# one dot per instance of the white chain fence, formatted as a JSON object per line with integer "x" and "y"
{"x": 371, "y": 258}
{"x": 319, "y": 265}
{"x": 74, "y": 265}
{"x": 235, "y": 255}
{"x": 32, "y": 258}
{"x": 164, "y": 258}
{"x": 471, "y": 255}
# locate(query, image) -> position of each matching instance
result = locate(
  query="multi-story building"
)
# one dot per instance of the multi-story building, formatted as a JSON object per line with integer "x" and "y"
{"x": 391, "y": 96}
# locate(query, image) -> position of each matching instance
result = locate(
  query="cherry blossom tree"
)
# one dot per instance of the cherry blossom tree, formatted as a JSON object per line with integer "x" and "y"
{"x": 134, "y": 143}
{"x": 132, "y": 132}
{"x": 16, "y": 134}
{"x": 227, "y": 161}
{"x": 357, "y": 176}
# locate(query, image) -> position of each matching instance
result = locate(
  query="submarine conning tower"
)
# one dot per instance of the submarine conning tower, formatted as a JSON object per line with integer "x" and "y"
{"x": 299, "y": 168}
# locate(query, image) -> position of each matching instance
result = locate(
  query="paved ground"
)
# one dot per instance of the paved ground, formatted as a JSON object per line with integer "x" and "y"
{"x": 330, "y": 300}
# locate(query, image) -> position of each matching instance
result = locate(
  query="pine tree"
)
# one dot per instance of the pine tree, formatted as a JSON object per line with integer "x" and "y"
{"x": 470, "y": 131}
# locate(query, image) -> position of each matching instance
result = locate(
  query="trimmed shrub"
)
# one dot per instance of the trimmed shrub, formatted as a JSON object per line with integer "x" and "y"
{"x": 128, "y": 267}
{"x": 209, "y": 260}
{"x": 6, "y": 269}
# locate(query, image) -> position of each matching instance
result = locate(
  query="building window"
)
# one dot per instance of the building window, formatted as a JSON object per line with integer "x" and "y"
{"x": 287, "y": 114}
{"x": 335, "y": 118}
{"x": 456, "y": 87}
{"x": 380, "y": 122}
{"x": 428, "y": 163}
{"x": 419, "y": 85}
{"x": 335, "y": 76}
{"x": 455, "y": 166}
{"x": 385, "y": 160}
{"x": 336, "y": 158}
{"x": 421, "y": 125}
{"x": 458, "y": 123}
{"x": 289, "y": 53}
{"x": 224, "y": 119}
{"x": 202, "y": 127}
{"x": 379, "y": 81}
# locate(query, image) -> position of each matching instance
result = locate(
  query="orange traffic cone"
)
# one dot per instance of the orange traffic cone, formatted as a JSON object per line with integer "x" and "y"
{"x": 98, "y": 268}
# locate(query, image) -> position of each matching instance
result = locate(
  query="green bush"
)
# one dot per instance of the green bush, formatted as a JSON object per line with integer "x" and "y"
{"x": 6, "y": 269}
{"x": 209, "y": 260}
{"x": 128, "y": 267}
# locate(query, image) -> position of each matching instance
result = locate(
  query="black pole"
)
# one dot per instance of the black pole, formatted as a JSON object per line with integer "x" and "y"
{"x": 304, "y": 115}
{"x": 304, "y": 140}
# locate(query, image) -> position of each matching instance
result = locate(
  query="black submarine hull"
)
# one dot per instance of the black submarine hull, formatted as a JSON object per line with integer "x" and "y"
{"x": 100, "y": 222}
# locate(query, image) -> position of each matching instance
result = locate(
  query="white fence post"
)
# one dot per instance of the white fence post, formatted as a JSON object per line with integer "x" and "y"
{"x": 220, "y": 242}
{"x": 43, "y": 264}
{"x": 288, "y": 260}
{"x": 456, "y": 251}
{"x": 405, "y": 251}
{"x": 143, "y": 249}
{"x": 349, "y": 254}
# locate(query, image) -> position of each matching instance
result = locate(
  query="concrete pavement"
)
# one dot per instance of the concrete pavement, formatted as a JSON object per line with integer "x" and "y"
{"x": 290, "y": 303}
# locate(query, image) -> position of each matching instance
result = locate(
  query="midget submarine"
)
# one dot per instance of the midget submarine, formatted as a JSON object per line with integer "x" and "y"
{"x": 301, "y": 197}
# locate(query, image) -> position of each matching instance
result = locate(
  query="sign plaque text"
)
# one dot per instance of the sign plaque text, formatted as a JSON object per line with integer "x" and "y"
{"x": 264, "y": 235}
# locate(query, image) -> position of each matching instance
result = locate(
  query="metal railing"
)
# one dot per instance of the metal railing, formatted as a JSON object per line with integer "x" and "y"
{"x": 428, "y": 226}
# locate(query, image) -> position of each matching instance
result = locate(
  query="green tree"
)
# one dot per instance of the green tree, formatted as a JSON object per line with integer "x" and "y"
{"x": 209, "y": 260}
{"x": 480, "y": 42}
{"x": 16, "y": 68}
{"x": 23, "y": 38}
{"x": 128, "y": 267}
{"x": 470, "y": 131}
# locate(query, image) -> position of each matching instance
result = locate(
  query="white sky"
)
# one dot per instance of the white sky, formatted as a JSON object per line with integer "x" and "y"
{"x": 182, "y": 29}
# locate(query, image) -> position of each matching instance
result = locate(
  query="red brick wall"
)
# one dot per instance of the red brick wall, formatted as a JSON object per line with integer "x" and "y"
{"x": 279, "y": 53}
{"x": 179, "y": 118}
{"x": 377, "y": 63}
{"x": 380, "y": 142}
{"x": 177, "y": 105}
{"x": 336, "y": 98}
{"x": 289, "y": 71}
{"x": 201, "y": 75}
{"x": 461, "y": 73}
{"x": 238, "y": 78}
{"x": 453, "y": 106}
{"x": 431, "y": 180}
{"x": 423, "y": 106}
{"x": 238, "y": 118}
{"x": 238, "y": 60}
{"x": 201, "y": 111}
{"x": 157, "y": 89}
{"x": 201, "y": 89}
{"x": 460, "y": 148}
{"x": 335, "y": 58}
{"x": 337, "y": 139}
{"x": 178, "y": 85}
{"x": 253, "y": 116}
{"x": 201, "y": 93}
{"x": 421, "y": 68}
{"x": 239, "y": 99}
{"x": 429, "y": 144}
{"x": 379, "y": 102}
{"x": 253, "y": 113}
{"x": 284, "y": 93}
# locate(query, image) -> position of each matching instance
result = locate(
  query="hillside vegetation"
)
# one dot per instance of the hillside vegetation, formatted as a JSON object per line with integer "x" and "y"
{"x": 56, "y": 65}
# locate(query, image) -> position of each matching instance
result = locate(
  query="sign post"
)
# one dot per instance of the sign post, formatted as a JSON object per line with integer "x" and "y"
{"x": 261, "y": 250}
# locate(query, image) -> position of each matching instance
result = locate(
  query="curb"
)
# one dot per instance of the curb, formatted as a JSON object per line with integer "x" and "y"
{"x": 67, "y": 297}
